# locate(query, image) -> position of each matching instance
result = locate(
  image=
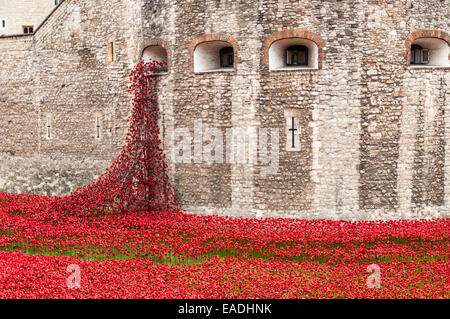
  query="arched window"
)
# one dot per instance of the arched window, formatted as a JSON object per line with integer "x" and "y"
{"x": 292, "y": 50}
{"x": 156, "y": 53}
{"x": 226, "y": 57}
{"x": 297, "y": 55}
{"x": 213, "y": 56}
{"x": 293, "y": 53}
{"x": 428, "y": 48}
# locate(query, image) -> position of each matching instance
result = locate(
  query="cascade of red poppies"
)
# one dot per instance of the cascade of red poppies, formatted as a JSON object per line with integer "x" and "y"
{"x": 138, "y": 179}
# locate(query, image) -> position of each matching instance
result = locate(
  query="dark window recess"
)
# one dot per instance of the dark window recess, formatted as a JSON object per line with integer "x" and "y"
{"x": 419, "y": 55}
{"x": 27, "y": 29}
{"x": 227, "y": 57}
{"x": 297, "y": 55}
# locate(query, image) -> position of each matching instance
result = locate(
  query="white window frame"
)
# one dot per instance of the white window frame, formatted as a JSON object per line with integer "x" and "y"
{"x": 422, "y": 58}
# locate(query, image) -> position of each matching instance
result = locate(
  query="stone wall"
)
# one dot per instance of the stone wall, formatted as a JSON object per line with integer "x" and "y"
{"x": 56, "y": 88}
{"x": 18, "y": 128}
{"x": 19, "y": 13}
{"x": 356, "y": 158}
{"x": 372, "y": 131}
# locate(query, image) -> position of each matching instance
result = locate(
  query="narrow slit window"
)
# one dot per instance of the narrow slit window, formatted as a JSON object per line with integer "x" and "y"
{"x": 48, "y": 127}
{"x": 97, "y": 127}
{"x": 112, "y": 51}
{"x": 3, "y": 24}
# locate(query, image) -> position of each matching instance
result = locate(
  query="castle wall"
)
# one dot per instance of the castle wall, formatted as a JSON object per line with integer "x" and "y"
{"x": 16, "y": 96}
{"x": 372, "y": 131}
{"x": 356, "y": 159}
{"x": 21, "y": 13}
{"x": 59, "y": 85}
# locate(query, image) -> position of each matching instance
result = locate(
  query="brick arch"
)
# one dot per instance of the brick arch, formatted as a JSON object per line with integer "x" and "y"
{"x": 287, "y": 34}
{"x": 162, "y": 43}
{"x": 438, "y": 34}
{"x": 214, "y": 37}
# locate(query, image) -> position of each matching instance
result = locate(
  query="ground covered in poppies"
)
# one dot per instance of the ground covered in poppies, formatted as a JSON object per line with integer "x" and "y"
{"x": 175, "y": 255}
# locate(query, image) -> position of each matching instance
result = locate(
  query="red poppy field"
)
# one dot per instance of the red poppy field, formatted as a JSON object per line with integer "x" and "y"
{"x": 125, "y": 236}
{"x": 176, "y": 255}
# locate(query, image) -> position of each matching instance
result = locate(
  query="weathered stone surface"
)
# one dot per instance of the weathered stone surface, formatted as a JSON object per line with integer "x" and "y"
{"x": 14, "y": 15}
{"x": 374, "y": 132}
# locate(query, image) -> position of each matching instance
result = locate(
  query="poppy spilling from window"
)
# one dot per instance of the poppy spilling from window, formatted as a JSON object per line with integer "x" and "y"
{"x": 138, "y": 180}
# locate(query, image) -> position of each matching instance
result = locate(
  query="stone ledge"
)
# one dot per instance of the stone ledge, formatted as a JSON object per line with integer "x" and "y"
{"x": 294, "y": 70}
{"x": 428, "y": 68}
{"x": 231, "y": 70}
